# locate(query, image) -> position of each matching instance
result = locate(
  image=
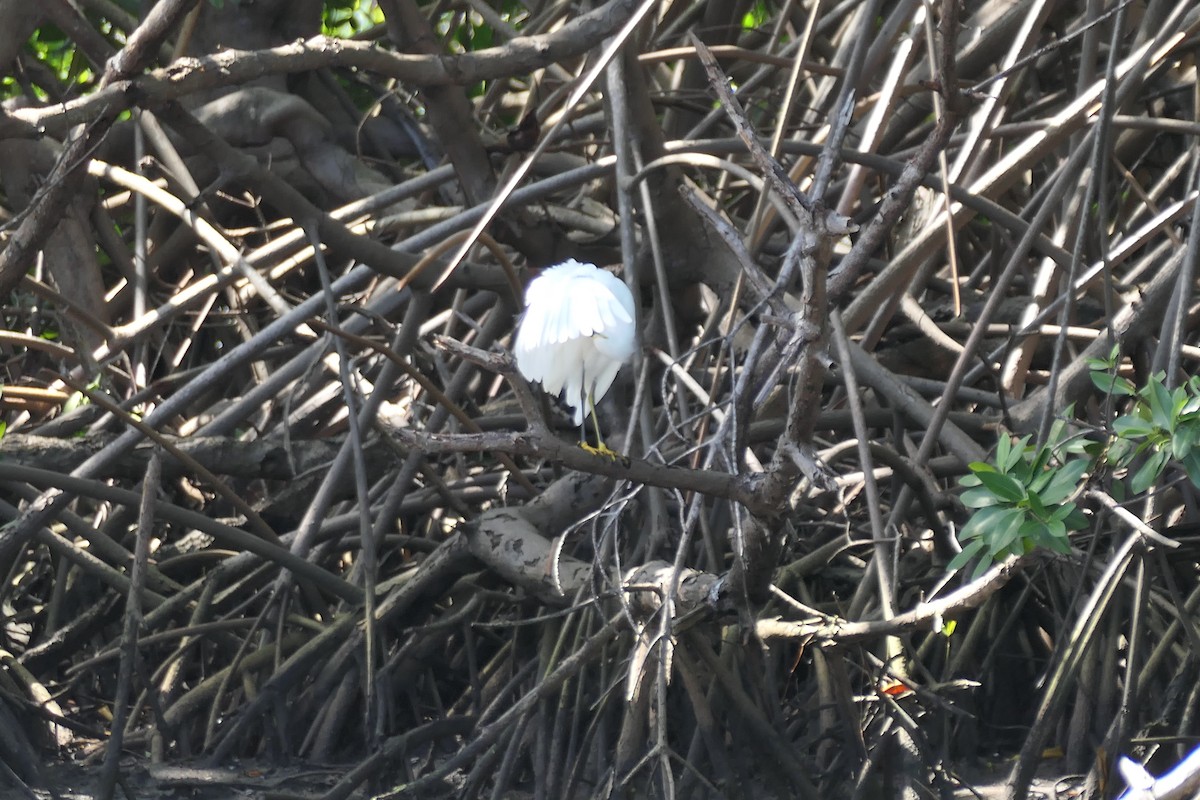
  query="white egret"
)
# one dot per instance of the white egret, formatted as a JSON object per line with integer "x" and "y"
{"x": 577, "y": 331}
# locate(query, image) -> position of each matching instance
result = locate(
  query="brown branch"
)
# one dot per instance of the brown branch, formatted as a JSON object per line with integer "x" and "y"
{"x": 800, "y": 341}
{"x": 542, "y": 444}
{"x": 447, "y": 109}
{"x": 188, "y": 76}
{"x": 285, "y": 197}
{"x": 838, "y": 631}
{"x": 898, "y": 198}
{"x": 240, "y": 459}
{"x": 226, "y": 535}
{"x": 1132, "y": 322}
{"x": 142, "y": 45}
{"x": 48, "y": 207}
{"x": 546, "y": 687}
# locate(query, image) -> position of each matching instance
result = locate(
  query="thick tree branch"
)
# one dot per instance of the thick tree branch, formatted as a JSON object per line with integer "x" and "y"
{"x": 826, "y": 629}
{"x": 540, "y": 443}
{"x": 188, "y": 76}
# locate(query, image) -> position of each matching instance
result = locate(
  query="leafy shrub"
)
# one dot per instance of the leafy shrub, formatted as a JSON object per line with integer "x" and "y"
{"x": 1163, "y": 426}
{"x": 1022, "y": 501}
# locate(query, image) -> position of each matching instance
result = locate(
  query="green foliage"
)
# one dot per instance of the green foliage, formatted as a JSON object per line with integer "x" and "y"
{"x": 345, "y": 18}
{"x": 57, "y": 52}
{"x": 79, "y": 399}
{"x": 467, "y": 31}
{"x": 756, "y": 17}
{"x": 1104, "y": 375}
{"x": 1022, "y": 501}
{"x": 1161, "y": 427}
{"x": 76, "y": 400}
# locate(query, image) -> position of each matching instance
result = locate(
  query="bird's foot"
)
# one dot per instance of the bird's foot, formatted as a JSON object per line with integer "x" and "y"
{"x": 601, "y": 450}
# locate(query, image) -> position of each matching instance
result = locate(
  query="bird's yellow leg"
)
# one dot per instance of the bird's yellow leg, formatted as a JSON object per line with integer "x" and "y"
{"x": 601, "y": 449}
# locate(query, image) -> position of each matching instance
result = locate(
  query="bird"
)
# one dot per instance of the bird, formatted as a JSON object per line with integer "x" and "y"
{"x": 577, "y": 330}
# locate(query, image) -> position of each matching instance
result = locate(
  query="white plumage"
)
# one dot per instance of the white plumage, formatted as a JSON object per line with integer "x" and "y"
{"x": 577, "y": 331}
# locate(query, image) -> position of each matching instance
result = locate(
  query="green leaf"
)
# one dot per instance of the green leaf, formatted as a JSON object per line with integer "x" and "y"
{"x": 1184, "y": 439}
{"x": 1058, "y": 429}
{"x": 983, "y": 522}
{"x": 1191, "y": 465}
{"x": 1145, "y": 477}
{"x": 1003, "y": 447}
{"x": 1064, "y": 482}
{"x": 1036, "y": 506}
{"x": 963, "y": 557}
{"x": 1078, "y": 445}
{"x": 1034, "y": 468}
{"x": 978, "y": 497}
{"x": 756, "y": 17}
{"x": 1114, "y": 355}
{"x": 1055, "y": 529}
{"x": 1161, "y": 405}
{"x": 1076, "y": 520}
{"x": 983, "y": 566}
{"x": 1179, "y": 399}
{"x": 1007, "y": 531}
{"x": 1119, "y": 492}
{"x": 74, "y": 401}
{"x": 1032, "y": 528}
{"x": 1015, "y": 455}
{"x": 1060, "y": 513}
{"x": 1129, "y": 426}
{"x": 1059, "y": 544}
{"x": 1037, "y": 482}
{"x": 1113, "y": 384}
{"x": 1119, "y": 452}
{"x": 1003, "y": 486}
